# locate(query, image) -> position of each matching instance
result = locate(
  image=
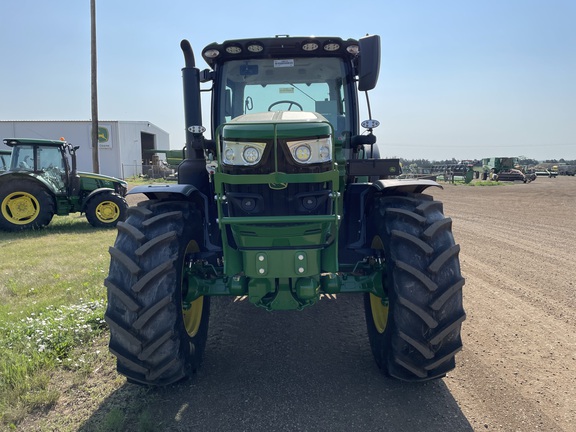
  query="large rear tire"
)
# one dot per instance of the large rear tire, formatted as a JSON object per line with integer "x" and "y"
{"x": 157, "y": 338}
{"x": 414, "y": 333}
{"x": 24, "y": 205}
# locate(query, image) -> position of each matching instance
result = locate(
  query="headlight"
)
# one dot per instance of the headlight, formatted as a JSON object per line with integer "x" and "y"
{"x": 242, "y": 153}
{"x": 302, "y": 153}
{"x": 251, "y": 155}
{"x": 311, "y": 151}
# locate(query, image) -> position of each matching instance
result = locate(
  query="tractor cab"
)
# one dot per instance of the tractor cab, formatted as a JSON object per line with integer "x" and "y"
{"x": 296, "y": 74}
{"x": 47, "y": 159}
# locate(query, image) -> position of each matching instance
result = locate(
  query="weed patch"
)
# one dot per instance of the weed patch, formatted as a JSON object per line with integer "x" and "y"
{"x": 53, "y": 303}
{"x": 33, "y": 345}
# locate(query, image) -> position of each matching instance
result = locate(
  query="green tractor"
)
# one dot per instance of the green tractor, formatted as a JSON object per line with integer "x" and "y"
{"x": 287, "y": 201}
{"x": 43, "y": 181}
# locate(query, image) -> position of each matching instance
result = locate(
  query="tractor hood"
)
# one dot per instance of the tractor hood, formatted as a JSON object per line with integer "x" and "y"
{"x": 91, "y": 181}
{"x": 279, "y": 124}
{"x": 101, "y": 177}
{"x": 279, "y": 116}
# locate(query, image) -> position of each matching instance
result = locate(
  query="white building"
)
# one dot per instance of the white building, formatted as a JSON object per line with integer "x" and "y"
{"x": 123, "y": 145}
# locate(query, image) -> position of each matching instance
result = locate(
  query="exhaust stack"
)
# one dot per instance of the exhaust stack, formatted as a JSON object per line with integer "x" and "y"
{"x": 193, "y": 169}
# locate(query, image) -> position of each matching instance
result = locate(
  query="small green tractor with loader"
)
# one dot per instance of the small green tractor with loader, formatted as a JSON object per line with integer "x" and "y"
{"x": 287, "y": 200}
{"x": 43, "y": 181}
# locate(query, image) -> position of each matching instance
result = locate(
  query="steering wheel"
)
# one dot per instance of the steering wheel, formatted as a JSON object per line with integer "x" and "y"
{"x": 289, "y": 102}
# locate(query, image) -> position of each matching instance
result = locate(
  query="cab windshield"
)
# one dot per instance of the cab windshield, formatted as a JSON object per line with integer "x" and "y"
{"x": 23, "y": 158}
{"x": 300, "y": 84}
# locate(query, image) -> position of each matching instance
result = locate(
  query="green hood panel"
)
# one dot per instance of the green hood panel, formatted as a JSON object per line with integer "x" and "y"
{"x": 100, "y": 177}
{"x": 282, "y": 124}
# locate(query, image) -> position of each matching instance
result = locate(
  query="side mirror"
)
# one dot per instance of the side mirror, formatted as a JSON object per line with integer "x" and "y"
{"x": 368, "y": 62}
{"x": 359, "y": 140}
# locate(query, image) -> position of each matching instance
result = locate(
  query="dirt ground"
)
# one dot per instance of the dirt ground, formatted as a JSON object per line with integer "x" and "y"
{"x": 313, "y": 370}
{"x": 518, "y": 368}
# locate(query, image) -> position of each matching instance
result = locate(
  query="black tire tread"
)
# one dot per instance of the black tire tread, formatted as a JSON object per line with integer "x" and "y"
{"x": 155, "y": 242}
{"x": 424, "y": 286}
{"x": 126, "y": 261}
{"x": 147, "y": 333}
{"x": 421, "y": 276}
{"x": 131, "y": 230}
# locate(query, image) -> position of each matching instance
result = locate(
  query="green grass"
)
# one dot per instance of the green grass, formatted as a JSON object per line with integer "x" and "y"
{"x": 480, "y": 183}
{"x": 53, "y": 301}
{"x": 483, "y": 183}
{"x": 136, "y": 181}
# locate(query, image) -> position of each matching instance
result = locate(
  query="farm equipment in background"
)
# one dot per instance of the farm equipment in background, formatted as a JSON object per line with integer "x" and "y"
{"x": 43, "y": 181}
{"x": 287, "y": 201}
{"x": 163, "y": 168}
{"x": 548, "y": 170}
{"x": 566, "y": 169}
{"x": 504, "y": 169}
{"x": 453, "y": 172}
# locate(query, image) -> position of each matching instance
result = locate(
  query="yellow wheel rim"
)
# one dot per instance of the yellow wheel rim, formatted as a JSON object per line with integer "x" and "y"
{"x": 192, "y": 312}
{"x": 193, "y": 316}
{"x": 107, "y": 211}
{"x": 379, "y": 310}
{"x": 20, "y": 208}
{"x": 379, "y": 313}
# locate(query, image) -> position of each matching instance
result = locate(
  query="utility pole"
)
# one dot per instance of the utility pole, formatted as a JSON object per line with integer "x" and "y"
{"x": 94, "y": 87}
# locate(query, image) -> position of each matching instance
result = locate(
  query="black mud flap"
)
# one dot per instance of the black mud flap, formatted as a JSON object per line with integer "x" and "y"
{"x": 381, "y": 168}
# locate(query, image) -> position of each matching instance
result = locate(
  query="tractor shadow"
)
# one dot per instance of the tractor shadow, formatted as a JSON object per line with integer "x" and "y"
{"x": 285, "y": 371}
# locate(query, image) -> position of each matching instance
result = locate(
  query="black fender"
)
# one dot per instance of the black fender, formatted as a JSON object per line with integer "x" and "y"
{"x": 93, "y": 194}
{"x": 392, "y": 186}
{"x": 212, "y": 238}
{"x": 12, "y": 176}
{"x": 165, "y": 191}
{"x": 358, "y": 198}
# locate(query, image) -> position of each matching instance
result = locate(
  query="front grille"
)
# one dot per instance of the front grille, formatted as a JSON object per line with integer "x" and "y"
{"x": 267, "y": 200}
{"x": 286, "y": 199}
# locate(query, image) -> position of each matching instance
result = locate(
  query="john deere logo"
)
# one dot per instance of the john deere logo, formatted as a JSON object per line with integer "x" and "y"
{"x": 103, "y": 134}
{"x": 277, "y": 186}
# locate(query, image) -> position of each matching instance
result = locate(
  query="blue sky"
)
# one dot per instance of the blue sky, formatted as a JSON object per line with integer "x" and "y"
{"x": 459, "y": 78}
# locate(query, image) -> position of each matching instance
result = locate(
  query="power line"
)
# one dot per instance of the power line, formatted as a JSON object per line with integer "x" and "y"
{"x": 464, "y": 147}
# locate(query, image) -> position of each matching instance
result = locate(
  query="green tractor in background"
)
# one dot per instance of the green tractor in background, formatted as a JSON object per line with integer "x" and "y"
{"x": 288, "y": 200}
{"x": 43, "y": 181}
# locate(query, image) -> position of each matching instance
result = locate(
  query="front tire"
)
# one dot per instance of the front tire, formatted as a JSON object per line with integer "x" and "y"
{"x": 414, "y": 333}
{"x": 158, "y": 339}
{"x": 24, "y": 205}
{"x": 105, "y": 210}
